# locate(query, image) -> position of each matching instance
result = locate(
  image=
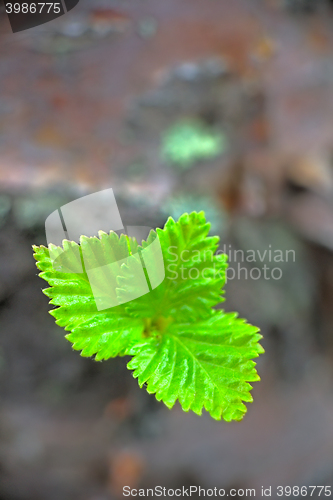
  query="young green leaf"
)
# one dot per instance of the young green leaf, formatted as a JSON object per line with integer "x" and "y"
{"x": 105, "y": 333}
{"x": 206, "y": 364}
{"x": 182, "y": 348}
{"x": 194, "y": 275}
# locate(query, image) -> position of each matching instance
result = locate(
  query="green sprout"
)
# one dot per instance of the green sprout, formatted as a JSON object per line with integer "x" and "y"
{"x": 182, "y": 347}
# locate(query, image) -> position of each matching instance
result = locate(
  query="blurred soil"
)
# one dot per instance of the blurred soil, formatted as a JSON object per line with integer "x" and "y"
{"x": 84, "y": 104}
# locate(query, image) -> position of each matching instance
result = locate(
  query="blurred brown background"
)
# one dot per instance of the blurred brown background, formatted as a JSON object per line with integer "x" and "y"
{"x": 98, "y": 99}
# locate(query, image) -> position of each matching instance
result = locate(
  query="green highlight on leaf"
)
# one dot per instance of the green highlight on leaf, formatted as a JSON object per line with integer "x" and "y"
{"x": 182, "y": 348}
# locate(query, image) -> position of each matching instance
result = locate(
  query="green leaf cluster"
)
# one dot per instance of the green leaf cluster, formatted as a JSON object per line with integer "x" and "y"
{"x": 182, "y": 347}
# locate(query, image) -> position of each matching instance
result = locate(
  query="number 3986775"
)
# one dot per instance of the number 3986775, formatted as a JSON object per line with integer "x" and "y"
{"x": 33, "y": 8}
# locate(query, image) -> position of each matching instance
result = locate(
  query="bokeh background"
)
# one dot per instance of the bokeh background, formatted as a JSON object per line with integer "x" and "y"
{"x": 178, "y": 105}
